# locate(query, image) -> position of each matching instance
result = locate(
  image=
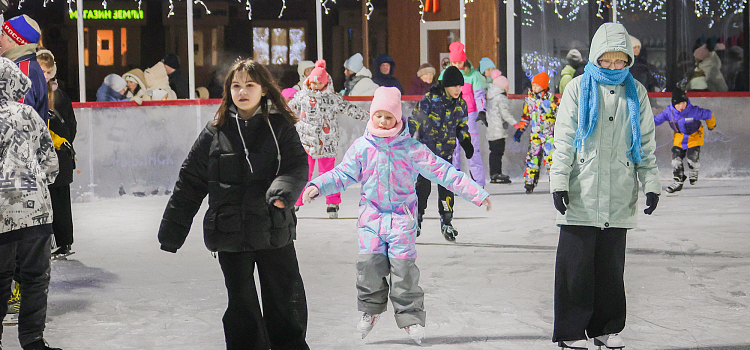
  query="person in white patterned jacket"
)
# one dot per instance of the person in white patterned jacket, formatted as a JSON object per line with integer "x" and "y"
{"x": 28, "y": 164}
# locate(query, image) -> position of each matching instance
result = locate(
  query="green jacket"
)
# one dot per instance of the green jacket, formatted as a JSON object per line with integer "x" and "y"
{"x": 601, "y": 181}
{"x": 566, "y": 75}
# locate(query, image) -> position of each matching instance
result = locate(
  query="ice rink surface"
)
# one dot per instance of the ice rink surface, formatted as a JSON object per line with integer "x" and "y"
{"x": 687, "y": 277}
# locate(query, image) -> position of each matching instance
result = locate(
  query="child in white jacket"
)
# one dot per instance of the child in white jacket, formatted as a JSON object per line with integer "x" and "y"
{"x": 498, "y": 119}
{"x": 317, "y": 106}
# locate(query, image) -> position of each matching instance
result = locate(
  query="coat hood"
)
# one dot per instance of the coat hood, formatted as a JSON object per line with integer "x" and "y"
{"x": 156, "y": 77}
{"x": 380, "y": 59}
{"x": 302, "y": 66}
{"x": 611, "y": 37}
{"x": 137, "y": 76}
{"x": 16, "y": 84}
{"x": 364, "y": 72}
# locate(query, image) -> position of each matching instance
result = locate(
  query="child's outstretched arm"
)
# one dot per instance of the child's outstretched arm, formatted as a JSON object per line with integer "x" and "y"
{"x": 343, "y": 106}
{"x": 348, "y": 172}
{"x": 439, "y": 171}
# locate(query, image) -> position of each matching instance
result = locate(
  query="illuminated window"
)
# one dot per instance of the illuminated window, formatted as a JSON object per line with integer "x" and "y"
{"x": 124, "y": 46}
{"x": 260, "y": 45}
{"x": 105, "y": 53}
{"x": 86, "y": 47}
{"x": 297, "y": 45}
{"x": 279, "y": 45}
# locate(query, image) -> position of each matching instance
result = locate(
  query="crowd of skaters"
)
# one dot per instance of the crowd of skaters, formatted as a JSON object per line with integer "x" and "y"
{"x": 396, "y": 161}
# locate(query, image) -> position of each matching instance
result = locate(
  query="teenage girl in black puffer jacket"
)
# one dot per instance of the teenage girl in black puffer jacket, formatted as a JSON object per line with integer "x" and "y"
{"x": 250, "y": 162}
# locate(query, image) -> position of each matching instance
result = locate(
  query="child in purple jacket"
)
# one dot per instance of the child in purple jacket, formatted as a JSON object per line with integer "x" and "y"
{"x": 387, "y": 161}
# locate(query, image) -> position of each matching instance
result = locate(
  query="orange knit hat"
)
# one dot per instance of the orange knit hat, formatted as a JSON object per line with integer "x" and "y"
{"x": 541, "y": 79}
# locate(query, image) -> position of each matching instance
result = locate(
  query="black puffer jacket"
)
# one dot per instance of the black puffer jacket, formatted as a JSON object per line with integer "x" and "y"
{"x": 63, "y": 123}
{"x": 240, "y": 214}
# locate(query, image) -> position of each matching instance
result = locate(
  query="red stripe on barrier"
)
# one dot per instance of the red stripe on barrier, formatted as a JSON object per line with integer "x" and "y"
{"x": 217, "y": 101}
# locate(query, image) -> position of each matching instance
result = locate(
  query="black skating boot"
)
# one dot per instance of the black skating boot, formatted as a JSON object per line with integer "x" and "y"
{"x": 529, "y": 188}
{"x": 449, "y": 232}
{"x": 677, "y": 185}
{"x": 333, "y": 211}
{"x": 40, "y": 344}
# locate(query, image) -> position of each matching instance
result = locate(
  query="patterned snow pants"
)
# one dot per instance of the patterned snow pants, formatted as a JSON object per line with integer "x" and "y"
{"x": 693, "y": 159}
{"x": 540, "y": 151}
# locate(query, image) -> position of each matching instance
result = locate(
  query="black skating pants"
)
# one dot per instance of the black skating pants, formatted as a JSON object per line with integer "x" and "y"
{"x": 62, "y": 221}
{"x": 693, "y": 159}
{"x": 282, "y": 324}
{"x": 33, "y": 257}
{"x": 589, "y": 287}
{"x": 445, "y": 200}
{"x": 497, "y": 150}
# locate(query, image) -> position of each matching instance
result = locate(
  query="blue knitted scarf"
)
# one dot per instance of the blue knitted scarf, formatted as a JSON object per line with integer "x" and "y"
{"x": 588, "y": 106}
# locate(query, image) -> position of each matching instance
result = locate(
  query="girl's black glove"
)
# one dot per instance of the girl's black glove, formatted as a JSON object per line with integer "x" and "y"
{"x": 652, "y": 199}
{"x": 561, "y": 201}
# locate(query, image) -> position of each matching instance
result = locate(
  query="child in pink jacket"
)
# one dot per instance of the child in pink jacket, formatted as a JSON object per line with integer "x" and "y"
{"x": 387, "y": 161}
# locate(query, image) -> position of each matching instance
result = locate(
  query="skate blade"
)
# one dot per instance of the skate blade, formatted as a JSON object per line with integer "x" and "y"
{"x": 10, "y": 320}
{"x": 333, "y": 215}
{"x": 62, "y": 256}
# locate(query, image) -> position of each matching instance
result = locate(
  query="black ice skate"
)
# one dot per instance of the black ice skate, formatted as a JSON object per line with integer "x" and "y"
{"x": 449, "y": 233}
{"x": 529, "y": 188}
{"x": 61, "y": 253}
{"x": 677, "y": 186}
{"x": 40, "y": 344}
{"x": 500, "y": 179}
{"x": 333, "y": 211}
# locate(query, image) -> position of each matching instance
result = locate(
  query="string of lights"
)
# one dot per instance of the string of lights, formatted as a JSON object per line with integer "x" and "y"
{"x": 370, "y": 8}
{"x": 283, "y": 7}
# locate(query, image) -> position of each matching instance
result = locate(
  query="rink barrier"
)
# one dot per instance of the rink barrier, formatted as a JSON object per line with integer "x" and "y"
{"x": 138, "y": 149}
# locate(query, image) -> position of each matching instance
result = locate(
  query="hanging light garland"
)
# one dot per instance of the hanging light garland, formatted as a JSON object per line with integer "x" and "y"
{"x": 370, "y": 8}
{"x": 249, "y": 9}
{"x": 283, "y": 7}
{"x": 421, "y": 11}
{"x": 466, "y": 2}
{"x": 324, "y": 4}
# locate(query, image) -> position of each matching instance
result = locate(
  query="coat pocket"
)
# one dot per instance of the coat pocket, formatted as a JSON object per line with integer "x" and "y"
{"x": 229, "y": 219}
{"x": 231, "y": 168}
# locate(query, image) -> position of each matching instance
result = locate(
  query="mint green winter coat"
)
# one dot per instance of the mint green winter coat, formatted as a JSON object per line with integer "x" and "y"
{"x": 601, "y": 181}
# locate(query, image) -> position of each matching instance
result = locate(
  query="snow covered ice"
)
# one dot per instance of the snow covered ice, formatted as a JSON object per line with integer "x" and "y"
{"x": 687, "y": 277}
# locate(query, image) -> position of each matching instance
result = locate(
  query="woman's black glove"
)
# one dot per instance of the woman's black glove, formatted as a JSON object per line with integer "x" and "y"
{"x": 468, "y": 147}
{"x": 561, "y": 201}
{"x": 652, "y": 199}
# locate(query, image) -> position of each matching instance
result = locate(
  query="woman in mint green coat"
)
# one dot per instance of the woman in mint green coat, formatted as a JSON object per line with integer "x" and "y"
{"x": 604, "y": 144}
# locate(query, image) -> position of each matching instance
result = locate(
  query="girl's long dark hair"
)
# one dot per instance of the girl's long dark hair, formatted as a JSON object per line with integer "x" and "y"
{"x": 259, "y": 74}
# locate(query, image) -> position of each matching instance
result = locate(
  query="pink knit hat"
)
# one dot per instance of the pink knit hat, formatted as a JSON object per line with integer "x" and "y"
{"x": 289, "y": 92}
{"x": 386, "y": 99}
{"x": 457, "y": 52}
{"x": 319, "y": 74}
{"x": 499, "y": 79}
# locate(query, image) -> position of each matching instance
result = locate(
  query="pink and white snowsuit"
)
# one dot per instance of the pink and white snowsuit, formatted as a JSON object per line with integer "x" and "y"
{"x": 387, "y": 168}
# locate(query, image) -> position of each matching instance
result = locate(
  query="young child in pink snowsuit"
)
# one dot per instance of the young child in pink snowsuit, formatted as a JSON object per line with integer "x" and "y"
{"x": 317, "y": 107}
{"x": 387, "y": 161}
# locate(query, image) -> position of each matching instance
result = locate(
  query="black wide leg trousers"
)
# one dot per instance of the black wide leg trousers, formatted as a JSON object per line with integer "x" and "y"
{"x": 589, "y": 286}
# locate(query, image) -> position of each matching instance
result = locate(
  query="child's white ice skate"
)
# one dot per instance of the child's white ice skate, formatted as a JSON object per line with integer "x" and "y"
{"x": 366, "y": 322}
{"x": 574, "y": 344}
{"x": 611, "y": 341}
{"x": 416, "y": 332}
